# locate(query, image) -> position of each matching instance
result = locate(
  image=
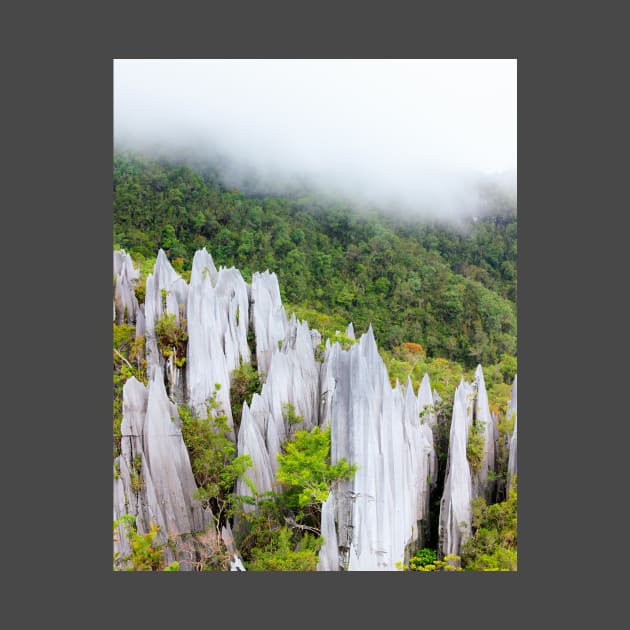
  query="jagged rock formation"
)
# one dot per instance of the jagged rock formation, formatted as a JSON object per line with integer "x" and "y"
{"x": 166, "y": 292}
{"x": 419, "y": 434}
{"x": 482, "y": 487}
{"x": 511, "y": 411}
{"x": 376, "y": 514}
{"x": 218, "y": 316}
{"x": 126, "y": 308}
{"x": 236, "y": 563}
{"x": 329, "y": 552}
{"x": 269, "y": 319}
{"x": 426, "y": 403}
{"x": 462, "y": 483}
{"x": 371, "y": 522}
{"x": 292, "y": 379}
{"x": 153, "y": 478}
{"x": 252, "y": 442}
{"x": 455, "y": 513}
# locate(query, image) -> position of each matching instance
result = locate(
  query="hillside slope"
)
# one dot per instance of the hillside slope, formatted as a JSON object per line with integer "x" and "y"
{"x": 451, "y": 290}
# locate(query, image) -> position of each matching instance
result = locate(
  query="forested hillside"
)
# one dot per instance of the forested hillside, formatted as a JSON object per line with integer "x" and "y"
{"x": 450, "y": 289}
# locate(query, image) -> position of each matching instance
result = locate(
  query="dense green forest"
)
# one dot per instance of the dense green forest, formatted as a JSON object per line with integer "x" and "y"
{"x": 450, "y": 289}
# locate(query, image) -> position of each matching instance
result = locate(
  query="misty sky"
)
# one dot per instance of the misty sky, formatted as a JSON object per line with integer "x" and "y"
{"x": 413, "y": 132}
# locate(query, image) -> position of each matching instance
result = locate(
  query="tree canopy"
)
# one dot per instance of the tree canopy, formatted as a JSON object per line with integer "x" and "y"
{"x": 450, "y": 289}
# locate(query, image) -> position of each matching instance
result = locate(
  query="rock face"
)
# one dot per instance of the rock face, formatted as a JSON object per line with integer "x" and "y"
{"x": 482, "y": 487}
{"x": 511, "y": 411}
{"x": 218, "y": 315}
{"x": 126, "y": 306}
{"x": 471, "y": 412}
{"x": 166, "y": 292}
{"x": 421, "y": 460}
{"x": 153, "y": 477}
{"x": 455, "y": 513}
{"x": 329, "y": 552}
{"x": 293, "y": 379}
{"x": 269, "y": 319}
{"x": 376, "y": 514}
{"x": 251, "y": 441}
{"x": 426, "y": 403}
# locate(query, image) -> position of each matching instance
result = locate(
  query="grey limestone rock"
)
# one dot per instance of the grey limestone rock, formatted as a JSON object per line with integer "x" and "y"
{"x": 511, "y": 412}
{"x": 153, "y": 479}
{"x": 166, "y": 292}
{"x": 375, "y": 426}
{"x": 482, "y": 487}
{"x": 455, "y": 511}
{"x": 426, "y": 403}
{"x": 329, "y": 552}
{"x": 251, "y": 441}
{"x": 292, "y": 378}
{"x": 126, "y": 306}
{"x": 268, "y": 317}
{"x": 218, "y": 315}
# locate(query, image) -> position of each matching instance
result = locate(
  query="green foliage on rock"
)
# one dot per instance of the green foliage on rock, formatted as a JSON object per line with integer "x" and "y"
{"x": 129, "y": 360}
{"x": 305, "y": 468}
{"x": 215, "y": 465}
{"x": 245, "y": 382}
{"x": 283, "y": 533}
{"x": 145, "y": 554}
{"x": 475, "y": 446}
{"x": 172, "y": 337}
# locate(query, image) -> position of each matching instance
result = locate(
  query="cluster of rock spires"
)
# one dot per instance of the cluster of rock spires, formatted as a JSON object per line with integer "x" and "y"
{"x": 372, "y": 522}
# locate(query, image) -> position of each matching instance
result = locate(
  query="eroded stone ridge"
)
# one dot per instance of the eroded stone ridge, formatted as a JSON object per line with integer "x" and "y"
{"x": 126, "y": 306}
{"x": 455, "y": 512}
{"x": 376, "y": 427}
{"x": 511, "y": 412}
{"x": 153, "y": 479}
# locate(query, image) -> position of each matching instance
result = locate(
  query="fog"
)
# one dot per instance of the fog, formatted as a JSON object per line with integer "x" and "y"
{"x": 414, "y": 135}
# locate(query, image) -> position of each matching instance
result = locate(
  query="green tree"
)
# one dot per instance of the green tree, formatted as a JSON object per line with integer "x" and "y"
{"x": 145, "y": 554}
{"x": 306, "y": 470}
{"x": 215, "y": 465}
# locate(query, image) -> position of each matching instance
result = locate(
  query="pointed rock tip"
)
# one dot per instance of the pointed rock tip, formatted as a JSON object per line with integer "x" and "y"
{"x": 368, "y": 340}
{"x": 370, "y": 334}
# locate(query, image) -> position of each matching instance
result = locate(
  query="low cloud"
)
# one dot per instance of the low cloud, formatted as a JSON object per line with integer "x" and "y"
{"x": 417, "y": 136}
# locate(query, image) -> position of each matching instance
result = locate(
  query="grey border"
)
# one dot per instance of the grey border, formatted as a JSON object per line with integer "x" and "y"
{"x": 61, "y": 180}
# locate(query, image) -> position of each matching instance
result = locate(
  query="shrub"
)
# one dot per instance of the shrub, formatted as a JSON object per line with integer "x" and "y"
{"x": 212, "y": 456}
{"x": 244, "y": 384}
{"x": 172, "y": 337}
{"x": 475, "y": 446}
{"x": 284, "y": 553}
{"x": 145, "y": 554}
{"x": 306, "y": 470}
